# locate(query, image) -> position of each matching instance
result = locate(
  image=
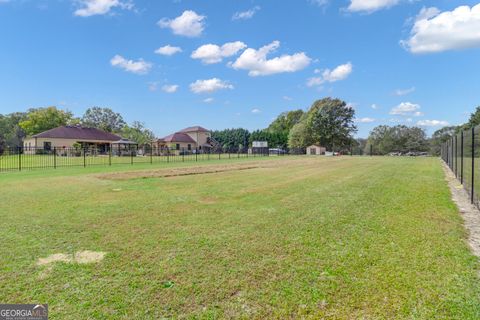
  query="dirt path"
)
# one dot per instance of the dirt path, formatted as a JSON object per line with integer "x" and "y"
{"x": 469, "y": 212}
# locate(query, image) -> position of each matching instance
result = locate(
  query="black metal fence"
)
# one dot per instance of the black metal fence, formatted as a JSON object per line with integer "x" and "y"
{"x": 462, "y": 154}
{"x": 18, "y": 159}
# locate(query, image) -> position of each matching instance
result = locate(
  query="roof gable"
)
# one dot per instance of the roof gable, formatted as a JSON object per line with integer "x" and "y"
{"x": 178, "y": 137}
{"x": 194, "y": 129}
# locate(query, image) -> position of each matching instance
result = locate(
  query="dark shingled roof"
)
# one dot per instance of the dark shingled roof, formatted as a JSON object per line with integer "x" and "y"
{"x": 195, "y": 129}
{"x": 178, "y": 137}
{"x": 78, "y": 133}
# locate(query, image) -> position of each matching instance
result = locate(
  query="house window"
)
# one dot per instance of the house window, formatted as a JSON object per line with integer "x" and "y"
{"x": 189, "y": 147}
{"x": 178, "y": 146}
{"x": 47, "y": 146}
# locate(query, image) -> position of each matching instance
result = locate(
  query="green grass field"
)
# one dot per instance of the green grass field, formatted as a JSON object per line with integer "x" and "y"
{"x": 279, "y": 237}
{"x": 35, "y": 161}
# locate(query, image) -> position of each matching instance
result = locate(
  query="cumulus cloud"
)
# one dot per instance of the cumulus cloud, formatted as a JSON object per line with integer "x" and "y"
{"x": 189, "y": 24}
{"x": 209, "y": 86}
{"x": 406, "y": 109}
{"x": 99, "y": 7}
{"x": 168, "y": 50}
{"x": 432, "y": 123}
{"x": 170, "y": 88}
{"x": 374, "y": 106}
{"x": 365, "y": 120}
{"x": 404, "y": 92}
{"x": 138, "y": 67}
{"x": 435, "y": 31}
{"x": 339, "y": 73}
{"x": 256, "y": 110}
{"x": 370, "y": 6}
{"x": 211, "y": 53}
{"x": 245, "y": 15}
{"x": 208, "y": 100}
{"x": 257, "y": 63}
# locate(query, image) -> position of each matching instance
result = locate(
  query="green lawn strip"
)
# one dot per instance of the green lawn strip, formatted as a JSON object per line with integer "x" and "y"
{"x": 342, "y": 238}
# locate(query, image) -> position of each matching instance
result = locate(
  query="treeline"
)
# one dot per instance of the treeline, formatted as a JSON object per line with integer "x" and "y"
{"x": 15, "y": 127}
{"x": 328, "y": 122}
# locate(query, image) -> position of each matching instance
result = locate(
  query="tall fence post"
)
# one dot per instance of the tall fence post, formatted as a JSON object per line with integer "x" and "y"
{"x": 131, "y": 157}
{"x": 456, "y": 156}
{"x": 19, "y": 159}
{"x": 371, "y": 150}
{"x": 55, "y": 157}
{"x": 110, "y": 155}
{"x": 473, "y": 165}
{"x": 151, "y": 153}
{"x": 183, "y": 154}
{"x": 196, "y": 154}
{"x": 168, "y": 155}
{"x": 84, "y": 157}
{"x": 461, "y": 157}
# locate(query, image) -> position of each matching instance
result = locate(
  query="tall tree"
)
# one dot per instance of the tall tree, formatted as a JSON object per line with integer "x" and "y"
{"x": 439, "y": 137}
{"x": 42, "y": 119}
{"x": 300, "y": 135}
{"x": 473, "y": 121}
{"x": 332, "y": 123}
{"x": 280, "y": 128}
{"x": 103, "y": 118}
{"x": 138, "y": 132}
{"x": 11, "y": 133}
{"x": 232, "y": 139}
{"x": 386, "y": 139}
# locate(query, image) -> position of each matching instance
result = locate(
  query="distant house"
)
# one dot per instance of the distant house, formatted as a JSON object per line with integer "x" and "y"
{"x": 189, "y": 139}
{"x": 316, "y": 149}
{"x": 71, "y": 136}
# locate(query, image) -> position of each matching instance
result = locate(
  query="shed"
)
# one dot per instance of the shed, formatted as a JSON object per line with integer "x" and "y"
{"x": 316, "y": 149}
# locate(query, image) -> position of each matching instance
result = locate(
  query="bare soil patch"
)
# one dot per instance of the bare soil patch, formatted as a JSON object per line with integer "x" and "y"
{"x": 206, "y": 169}
{"x": 469, "y": 212}
{"x": 175, "y": 172}
{"x": 81, "y": 257}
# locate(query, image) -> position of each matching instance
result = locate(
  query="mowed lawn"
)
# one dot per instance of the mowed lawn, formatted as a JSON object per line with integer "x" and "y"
{"x": 346, "y": 238}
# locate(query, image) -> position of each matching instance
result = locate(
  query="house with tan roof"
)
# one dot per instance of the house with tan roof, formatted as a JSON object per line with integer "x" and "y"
{"x": 188, "y": 140}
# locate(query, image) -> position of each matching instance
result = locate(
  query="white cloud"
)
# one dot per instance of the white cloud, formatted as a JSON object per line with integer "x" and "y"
{"x": 256, "y": 110}
{"x": 365, "y": 120}
{"x": 209, "y": 86}
{"x": 137, "y": 67}
{"x": 189, "y": 24}
{"x": 320, "y": 3}
{"x": 153, "y": 86}
{"x": 211, "y": 53}
{"x": 436, "y": 31}
{"x": 432, "y": 123}
{"x": 170, "y": 88}
{"x": 370, "y": 6}
{"x": 244, "y": 15}
{"x": 100, "y": 7}
{"x": 406, "y": 109}
{"x": 208, "y": 100}
{"x": 374, "y": 106}
{"x": 339, "y": 73}
{"x": 168, "y": 50}
{"x": 257, "y": 64}
{"x": 404, "y": 92}
{"x": 287, "y": 98}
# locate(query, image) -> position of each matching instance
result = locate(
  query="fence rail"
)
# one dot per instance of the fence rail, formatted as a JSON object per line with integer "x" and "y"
{"x": 18, "y": 159}
{"x": 462, "y": 154}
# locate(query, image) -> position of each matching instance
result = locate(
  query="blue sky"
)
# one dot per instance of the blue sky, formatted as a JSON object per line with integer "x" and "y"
{"x": 242, "y": 62}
